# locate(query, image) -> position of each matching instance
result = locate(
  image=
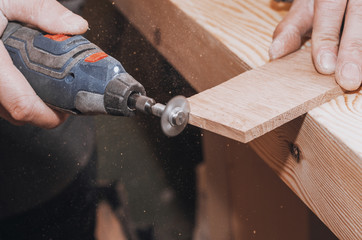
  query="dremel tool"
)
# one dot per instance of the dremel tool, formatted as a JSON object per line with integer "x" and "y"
{"x": 71, "y": 74}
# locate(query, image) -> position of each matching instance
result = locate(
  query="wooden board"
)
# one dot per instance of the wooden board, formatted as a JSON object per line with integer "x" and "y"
{"x": 260, "y": 100}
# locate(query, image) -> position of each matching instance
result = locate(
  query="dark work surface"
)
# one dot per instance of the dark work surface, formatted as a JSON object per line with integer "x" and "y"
{"x": 69, "y": 215}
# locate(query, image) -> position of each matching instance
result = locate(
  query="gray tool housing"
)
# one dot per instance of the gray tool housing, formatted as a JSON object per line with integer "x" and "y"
{"x": 61, "y": 76}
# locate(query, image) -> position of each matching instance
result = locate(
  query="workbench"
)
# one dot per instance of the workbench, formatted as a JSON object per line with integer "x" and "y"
{"x": 317, "y": 155}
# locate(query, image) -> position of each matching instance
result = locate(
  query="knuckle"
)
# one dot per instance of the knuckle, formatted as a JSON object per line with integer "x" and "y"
{"x": 290, "y": 30}
{"x": 353, "y": 47}
{"x": 330, "y": 4}
{"x": 22, "y": 108}
{"x": 330, "y": 37}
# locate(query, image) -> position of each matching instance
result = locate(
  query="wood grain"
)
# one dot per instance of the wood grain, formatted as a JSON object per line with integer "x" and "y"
{"x": 327, "y": 175}
{"x": 342, "y": 117}
{"x": 263, "y": 99}
{"x": 244, "y": 27}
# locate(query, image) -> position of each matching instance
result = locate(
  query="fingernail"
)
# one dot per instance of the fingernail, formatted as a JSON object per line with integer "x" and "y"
{"x": 275, "y": 49}
{"x": 327, "y": 61}
{"x": 350, "y": 76}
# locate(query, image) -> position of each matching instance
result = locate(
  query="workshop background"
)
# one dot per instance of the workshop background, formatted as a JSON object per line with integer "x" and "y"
{"x": 158, "y": 172}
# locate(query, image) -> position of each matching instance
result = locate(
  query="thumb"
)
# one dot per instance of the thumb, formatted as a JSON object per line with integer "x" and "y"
{"x": 48, "y": 15}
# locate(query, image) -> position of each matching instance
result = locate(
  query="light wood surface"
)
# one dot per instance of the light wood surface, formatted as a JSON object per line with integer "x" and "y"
{"x": 244, "y": 27}
{"x": 325, "y": 174}
{"x": 342, "y": 118}
{"x": 205, "y": 47}
{"x": 260, "y": 100}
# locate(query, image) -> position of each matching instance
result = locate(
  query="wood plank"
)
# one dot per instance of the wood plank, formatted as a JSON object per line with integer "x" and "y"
{"x": 263, "y": 99}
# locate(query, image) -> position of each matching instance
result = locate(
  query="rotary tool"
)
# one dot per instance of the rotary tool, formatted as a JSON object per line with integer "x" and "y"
{"x": 71, "y": 74}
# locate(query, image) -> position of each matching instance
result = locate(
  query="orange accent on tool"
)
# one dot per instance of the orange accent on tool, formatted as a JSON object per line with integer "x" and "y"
{"x": 57, "y": 37}
{"x": 96, "y": 57}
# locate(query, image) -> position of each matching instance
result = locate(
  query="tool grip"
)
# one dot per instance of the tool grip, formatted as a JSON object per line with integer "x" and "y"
{"x": 69, "y": 72}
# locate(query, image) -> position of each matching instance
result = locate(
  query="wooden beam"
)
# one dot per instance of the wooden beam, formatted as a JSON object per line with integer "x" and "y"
{"x": 319, "y": 167}
{"x": 244, "y": 27}
{"x": 206, "y": 47}
{"x": 188, "y": 46}
{"x": 202, "y": 39}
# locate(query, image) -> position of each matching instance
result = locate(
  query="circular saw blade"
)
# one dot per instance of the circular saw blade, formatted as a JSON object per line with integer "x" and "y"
{"x": 175, "y": 116}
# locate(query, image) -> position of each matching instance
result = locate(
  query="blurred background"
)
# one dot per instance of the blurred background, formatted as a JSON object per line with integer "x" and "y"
{"x": 158, "y": 173}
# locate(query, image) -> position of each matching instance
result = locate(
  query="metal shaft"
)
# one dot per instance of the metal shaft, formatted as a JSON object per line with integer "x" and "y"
{"x": 146, "y": 105}
{"x": 158, "y": 109}
{"x": 174, "y": 115}
{"x": 141, "y": 103}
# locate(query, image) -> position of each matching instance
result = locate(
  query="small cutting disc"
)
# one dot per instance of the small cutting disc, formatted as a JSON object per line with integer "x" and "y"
{"x": 175, "y": 116}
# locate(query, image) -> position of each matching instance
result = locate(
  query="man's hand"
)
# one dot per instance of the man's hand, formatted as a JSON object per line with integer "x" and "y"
{"x": 19, "y": 104}
{"x": 333, "y": 50}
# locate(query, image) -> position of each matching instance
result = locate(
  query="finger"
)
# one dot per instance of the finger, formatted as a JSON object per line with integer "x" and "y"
{"x": 3, "y": 23}
{"x": 349, "y": 63}
{"x": 48, "y": 15}
{"x": 288, "y": 34}
{"x": 19, "y": 99}
{"x": 327, "y": 24}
